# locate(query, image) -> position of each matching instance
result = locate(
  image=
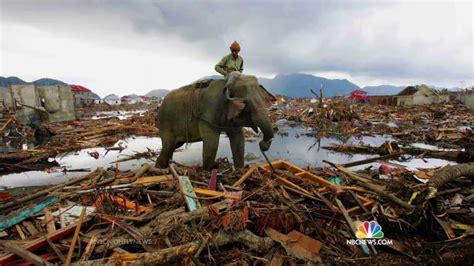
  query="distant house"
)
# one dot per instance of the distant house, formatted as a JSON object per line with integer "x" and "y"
{"x": 134, "y": 99}
{"x": 417, "y": 95}
{"x": 83, "y": 96}
{"x": 112, "y": 99}
{"x": 382, "y": 99}
{"x": 155, "y": 99}
{"x": 145, "y": 99}
{"x": 358, "y": 96}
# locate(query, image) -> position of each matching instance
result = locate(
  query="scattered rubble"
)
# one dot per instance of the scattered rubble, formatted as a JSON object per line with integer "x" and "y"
{"x": 68, "y": 137}
{"x": 275, "y": 213}
{"x": 253, "y": 215}
{"x": 444, "y": 124}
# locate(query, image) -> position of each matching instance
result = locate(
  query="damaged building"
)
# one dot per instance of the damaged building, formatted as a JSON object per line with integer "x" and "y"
{"x": 30, "y": 102}
{"x": 382, "y": 99}
{"x": 467, "y": 98}
{"x": 417, "y": 95}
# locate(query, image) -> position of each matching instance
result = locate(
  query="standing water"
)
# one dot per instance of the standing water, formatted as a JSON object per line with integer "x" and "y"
{"x": 294, "y": 144}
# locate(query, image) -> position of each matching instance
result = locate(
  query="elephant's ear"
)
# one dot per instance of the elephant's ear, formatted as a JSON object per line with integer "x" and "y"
{"x": 272, "y": 97}
{"x": 236, "y": 105}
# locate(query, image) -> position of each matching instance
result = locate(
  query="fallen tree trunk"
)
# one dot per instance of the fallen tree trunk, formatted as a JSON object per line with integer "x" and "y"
{"x": 363, "y": 183}
{"x": 166, "y": 255}
{"x": 448, "y": 174}
{"x": 164, "y": 223}
{"x": 458, "y": 156}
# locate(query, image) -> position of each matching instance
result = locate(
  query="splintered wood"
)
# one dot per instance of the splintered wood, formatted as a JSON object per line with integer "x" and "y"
{"x": 286, "y": 215}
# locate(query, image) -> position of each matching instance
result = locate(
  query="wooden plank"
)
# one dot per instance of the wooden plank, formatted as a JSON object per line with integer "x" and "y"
{"x": 49, "y": 220}
{"x": 142, "y": 170}
{"x": 354, "y": 196}
{"x": 31, "y": 228}
{"x": 89, "y": 248}
{"x": 23, "y": 214}
{"x": 62, "y": 220}
{"x": 371, "y": 160}
{"x": 19, "y": 231}
{"x": 295, "y": 172}
{"x": 150, "y": 180}
{"x": 25, "y": 254}
{"x": 294, "y": 186}
{"x": 276, "y": 164}
{"x": 297, "y": 244}
{"x": 245, "y": 176}
{"x": 363, "y": 182}
{"x": 55, "y": 249}
{"x": 352, "y": 227}
{"x": 213, "y": 193}
{"x": 121, "y": 202}
{"x": 299, "y": 172}
{"x": 74, "y": 238}
{"x": 130, "y": 229}
{"x": 187, "y": 190}
{"x": 357, "y": 208}
{"x": 39, "y": 243}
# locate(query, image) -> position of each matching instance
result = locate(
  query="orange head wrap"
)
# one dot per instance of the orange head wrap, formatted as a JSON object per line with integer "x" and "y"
{"x": 235, "y": 46}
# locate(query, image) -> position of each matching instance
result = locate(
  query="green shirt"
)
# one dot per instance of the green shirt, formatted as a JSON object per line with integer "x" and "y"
{"x": 229, "y": 63}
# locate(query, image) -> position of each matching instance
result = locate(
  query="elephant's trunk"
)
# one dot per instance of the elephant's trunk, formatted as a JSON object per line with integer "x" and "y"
{"x": 260, "y": 118}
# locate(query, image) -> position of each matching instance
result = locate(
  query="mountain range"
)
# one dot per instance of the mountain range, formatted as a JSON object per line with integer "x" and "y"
{"x": 5, "y": 82}
{"x": 157, "y": 93}
{"x": 299, "y": 85}
{"x": 291, "y": 85}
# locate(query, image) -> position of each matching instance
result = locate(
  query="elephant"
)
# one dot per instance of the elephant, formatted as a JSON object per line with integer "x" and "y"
{"x": 191, "y": 114}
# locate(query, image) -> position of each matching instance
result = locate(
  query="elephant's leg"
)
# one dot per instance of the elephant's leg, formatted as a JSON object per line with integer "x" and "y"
{"x": 168, "y": 145}
{"x": 210, "y": 143}
{"x": 178, "y": 145}
{"x": 237, "y": 145}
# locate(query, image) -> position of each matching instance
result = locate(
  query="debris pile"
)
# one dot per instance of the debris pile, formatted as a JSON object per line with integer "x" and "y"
{"x": 86, "y": 112}
{"x": 446, "y": 124}
{"x": 68, "y": 137}
{"x": 11, "y": 128}
{"x": 334, "y": 117}
{"x": 273, "y": 213}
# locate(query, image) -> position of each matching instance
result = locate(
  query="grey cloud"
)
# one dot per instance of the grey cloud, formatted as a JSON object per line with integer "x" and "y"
{"x": 359, "y": 38}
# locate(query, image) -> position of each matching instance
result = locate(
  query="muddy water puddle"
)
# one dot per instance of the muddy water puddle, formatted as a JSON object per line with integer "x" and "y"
{"x": 294, "y": 144}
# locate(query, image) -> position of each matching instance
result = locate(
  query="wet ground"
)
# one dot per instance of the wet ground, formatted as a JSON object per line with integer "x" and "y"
{"x": 295, "y": 144}
{"x": 121, "y": 115}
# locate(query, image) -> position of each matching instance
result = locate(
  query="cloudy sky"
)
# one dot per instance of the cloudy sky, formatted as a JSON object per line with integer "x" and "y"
{"x": 122, "y": 47}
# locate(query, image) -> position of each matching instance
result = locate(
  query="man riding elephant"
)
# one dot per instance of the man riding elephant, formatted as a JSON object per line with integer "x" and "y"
{"x": 231, "y": 65}
{"x": 231, "y": 62}
{"x": 191, "y": 114}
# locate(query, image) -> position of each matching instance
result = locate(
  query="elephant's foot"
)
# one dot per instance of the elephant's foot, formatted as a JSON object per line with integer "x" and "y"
{"x": 160, "y": 163}
{"x": 208, "y": 167}
{"x": 238, "y": 163}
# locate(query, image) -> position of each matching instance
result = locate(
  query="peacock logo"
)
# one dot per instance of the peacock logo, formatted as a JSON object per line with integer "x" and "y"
{"x": 369, "y": 230}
